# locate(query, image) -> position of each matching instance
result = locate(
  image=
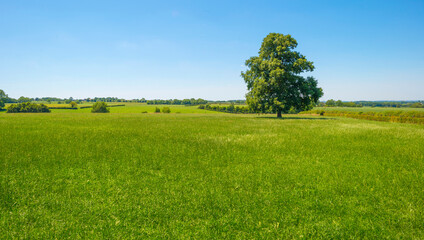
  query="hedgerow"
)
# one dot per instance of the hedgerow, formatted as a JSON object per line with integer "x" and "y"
{"x": 73, "y": 108}
{"x": 228, "y": 109}
{"x": 116, "y": 105}
{"x": 27, "y": 107}
{"x": 415, "y": 117}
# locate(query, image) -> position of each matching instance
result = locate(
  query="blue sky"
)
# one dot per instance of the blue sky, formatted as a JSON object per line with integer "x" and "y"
{"x": 362, "y": 50}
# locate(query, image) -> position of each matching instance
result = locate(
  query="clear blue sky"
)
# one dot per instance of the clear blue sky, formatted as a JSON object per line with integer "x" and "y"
{"x": 362, "y": 50}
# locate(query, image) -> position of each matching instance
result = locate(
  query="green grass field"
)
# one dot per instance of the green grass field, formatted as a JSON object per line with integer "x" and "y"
{"x": 72, "y": 174}
{"x": 130, "y": 108}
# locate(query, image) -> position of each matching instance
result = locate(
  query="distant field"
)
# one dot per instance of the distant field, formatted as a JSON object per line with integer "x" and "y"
{"x": 368, "y": 109}
{"x": 131, "y": 108}
{"x": 208, "y": 176}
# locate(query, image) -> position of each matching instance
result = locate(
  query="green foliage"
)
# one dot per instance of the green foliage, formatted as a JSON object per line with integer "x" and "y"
{"x": 5, "y": 98}
{"x": 191, "y": 101}
{"x": 417, "y": 105}
{"x": 24, "y": 99}
{"x": 273, "y": 78}
{"x": 396, "y": 104}
{"x": 166, "y": 110}
{"x": 228, "y": 109}
{"x": 1, "y": 104}
{"x": 2, "y": 94}
{"x": 100, "y": 107}
{"x": 157, "y": 110}
{"x": 27, "y": 107}
{"x": 339, "y": 103}
{"x": 73, "y": 104}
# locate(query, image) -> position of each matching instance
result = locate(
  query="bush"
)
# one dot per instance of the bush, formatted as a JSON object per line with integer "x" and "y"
{"x": 166, "y": 110}
{"x": 1, "y": 104}
{"x": 27, "y": 107}
{"x": 100, "y": 107}
{"x": 157, "y": 110}
{"x": 73, "y": 104}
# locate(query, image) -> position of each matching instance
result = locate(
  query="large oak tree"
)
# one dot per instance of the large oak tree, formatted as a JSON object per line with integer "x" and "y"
{"x": 273, "y": 78}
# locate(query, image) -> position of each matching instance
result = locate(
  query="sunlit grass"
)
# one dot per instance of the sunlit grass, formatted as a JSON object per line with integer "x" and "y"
{"x": 208, "y": 176}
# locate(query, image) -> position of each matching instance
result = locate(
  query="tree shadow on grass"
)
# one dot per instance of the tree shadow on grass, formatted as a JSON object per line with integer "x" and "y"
{"x": 298, "y": 118}
{"x": 2, "y": 110}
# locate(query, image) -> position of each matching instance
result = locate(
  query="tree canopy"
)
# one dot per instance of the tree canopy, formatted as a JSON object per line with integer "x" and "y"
{"x": 274, "y": 81}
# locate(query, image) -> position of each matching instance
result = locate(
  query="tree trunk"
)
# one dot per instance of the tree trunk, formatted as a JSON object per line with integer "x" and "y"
{"x": 279, "y": 114}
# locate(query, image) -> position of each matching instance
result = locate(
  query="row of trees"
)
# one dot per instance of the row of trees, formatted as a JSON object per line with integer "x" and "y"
{"x": 190, "y": 101}
{"x": 228, "y": 109}
{"x": 396, "y": 104}
{"x": 393, "y": 104}
{"x": 338, "y": 103}
{"x": 27, "y": 107}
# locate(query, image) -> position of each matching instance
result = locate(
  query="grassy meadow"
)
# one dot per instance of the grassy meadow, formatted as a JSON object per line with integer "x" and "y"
{"x": 200, "y": 174}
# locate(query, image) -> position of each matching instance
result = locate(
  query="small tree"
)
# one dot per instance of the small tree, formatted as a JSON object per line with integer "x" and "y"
{"x": 73, "y": 104}
{"x": 157, "y": 110}
{"x": 330, "y": 103}
{"x": 1, "y": 104}
{"x": 100, "y": 107}
{"x": 166, "y": 110}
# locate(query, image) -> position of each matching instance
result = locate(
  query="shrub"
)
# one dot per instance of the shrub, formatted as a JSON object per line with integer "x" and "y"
{"x": 27, "y": 107}
{"x": 73, "y": 104}
{"x": 166, "y": 110}
{"x": 100, "y": 107}
{"x": 1, "y": 104}
{"x": 157, "y": 110}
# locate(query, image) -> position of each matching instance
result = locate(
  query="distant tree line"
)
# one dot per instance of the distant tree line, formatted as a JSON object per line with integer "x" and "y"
{"x": 238, "y": 109}
{"x": 396, "y": 104}
{"x": 338, "y": 103}
{"x": 393, "y": 104}
{"x": 228, "y": 109}
{"x": 229, "y": 101}
{"x": 190, "y": 101}
{"x": 27, "y": 107}
{"x": 6, "y": 99}
{"x": 399, "y": 116}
